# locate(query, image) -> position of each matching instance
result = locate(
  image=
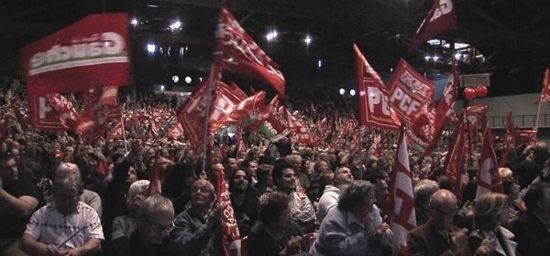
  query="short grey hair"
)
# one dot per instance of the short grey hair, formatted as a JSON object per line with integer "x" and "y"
{"x": 154, "y": 204}
{"x": 424, "y": 189}
{"x": 353, "y": 195}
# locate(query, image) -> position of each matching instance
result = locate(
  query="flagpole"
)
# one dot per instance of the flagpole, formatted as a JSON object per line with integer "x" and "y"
{"x": 538, "y": 113}
{"x": 124, "y": 135}
{"x": 214, "y": 73}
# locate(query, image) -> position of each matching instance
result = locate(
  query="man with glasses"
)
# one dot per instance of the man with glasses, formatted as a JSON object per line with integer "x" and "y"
{"x": 438, "y": 236}
{"x": 154, "y": 222}
{"x": 197, "y": 228}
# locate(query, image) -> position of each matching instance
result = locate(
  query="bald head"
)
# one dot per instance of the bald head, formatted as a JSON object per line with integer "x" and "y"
{"x": 443, "y": 199}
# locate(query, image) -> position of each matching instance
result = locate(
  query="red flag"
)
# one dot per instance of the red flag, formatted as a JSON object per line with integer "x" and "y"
{"x": 98, "y": 110}
{"x": 90, "y": 52}
{"x": 410, "y": 93}
{"x": 116, "y": 132}
{"x": 192, "y": 115}
{"x": 238, "y": 52}
{"x": 373, "y": 100}
{"x": 441, "y": 17}
{"x": 475, "y": 115}
{"x": 224, "y": 102}
{"x": 254, "y": 122}
{"x": 455, "y": 169}
{"x": 545, "y": 94}
{"x": 509, "y": 140}
{"x": 444, "y": 112}
{"x": 298, "y": 130}
{"x": 488, "y": 178}
{"x": 231, "y": 238}
{"x": 249, "y": 106}
{"x": 401, "y": 197}
{"x": 526, "y": 135}
{"x": 65, "y": 110}
{"x": 421, "y": 132}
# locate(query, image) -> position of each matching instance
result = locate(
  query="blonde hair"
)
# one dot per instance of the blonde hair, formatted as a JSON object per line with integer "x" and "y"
{"x": 488, "y": 209}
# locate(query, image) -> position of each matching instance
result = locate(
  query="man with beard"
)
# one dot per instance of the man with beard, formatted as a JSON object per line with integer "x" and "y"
{"x": 244, "y": 199}
{"x": 66, "y": 226}
{"x": 196, "y": 228}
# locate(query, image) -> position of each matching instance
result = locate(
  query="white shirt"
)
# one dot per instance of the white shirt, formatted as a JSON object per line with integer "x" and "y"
{"x": 49, "y": 226}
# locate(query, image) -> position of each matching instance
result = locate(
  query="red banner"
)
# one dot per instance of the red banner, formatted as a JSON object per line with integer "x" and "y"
{"x": 93, "y": 51}
{"x": 455, "y": 169}
{"x": 488, "y": 178}
{"x": 441, "y": 17}
{"x": 444, "y": 112}
{"x": 509, "y": 139}
{"x": 102, "y": 106}
{"x": 65, "y": 110}
{"x": 410, "y": 92}
{"x": 545, "y": 97}
{"x": 43, "y": 115}
{"x": 238, "y": 52}
{"x": 192, "y": 114}
{"x": 374, "y": 109}
{"x": 231, "y": 238}
{"x": 299, "y": 132}
{"x": 400, "y": 206}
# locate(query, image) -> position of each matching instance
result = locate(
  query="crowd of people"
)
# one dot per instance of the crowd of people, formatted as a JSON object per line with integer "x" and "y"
{"x": 61, "y": 194}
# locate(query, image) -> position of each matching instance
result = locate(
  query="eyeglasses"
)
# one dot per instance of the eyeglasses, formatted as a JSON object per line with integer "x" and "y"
{"x": 159, "y": 228}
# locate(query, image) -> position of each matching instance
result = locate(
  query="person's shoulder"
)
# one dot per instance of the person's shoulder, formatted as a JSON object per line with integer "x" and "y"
{"x": 85, "y": 209}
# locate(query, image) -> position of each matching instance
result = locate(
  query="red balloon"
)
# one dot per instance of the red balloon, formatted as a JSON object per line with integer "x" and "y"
{"x": 469, "y": 93}
{"x": 481, "y": 91}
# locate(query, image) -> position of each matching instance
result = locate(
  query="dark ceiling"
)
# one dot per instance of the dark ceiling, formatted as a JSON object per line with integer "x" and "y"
{"x": 512, "y": 35}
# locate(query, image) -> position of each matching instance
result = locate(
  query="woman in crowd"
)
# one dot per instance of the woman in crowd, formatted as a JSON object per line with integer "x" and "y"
{"x": 489, "y": 237}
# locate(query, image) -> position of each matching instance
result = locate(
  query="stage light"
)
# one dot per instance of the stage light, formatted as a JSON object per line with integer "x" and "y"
{"x": 175, "y": 78}
{"x": 151, "y": 48}
{"x": 134, "y": 21}
{"x": 352, "y": 92}
{"x": 162, "y": 88}
{"x": 436, "y": 58}
{"x": 427, "y": 57}
{"x": 342, "y": 91}
{"x": 319, "y": 63}
{"x": 175, "y": 25}
{"x": 458, "y": 56}
{"x": 307, "y": 40}
{"x": 188, "y": 79}
{"x": 271, "y": 35}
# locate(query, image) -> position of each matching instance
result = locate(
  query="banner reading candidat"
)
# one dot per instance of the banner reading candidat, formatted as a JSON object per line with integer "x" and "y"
{"x": 441, "y": 17}
{"x": 237, "y": 52}
{"x": 91, "y": 52}
{"x": 410, "y": 92}
{"x": 374, "y": 109}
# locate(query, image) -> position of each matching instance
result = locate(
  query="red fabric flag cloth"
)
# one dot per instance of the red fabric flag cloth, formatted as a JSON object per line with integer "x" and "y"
{"x": 93, "y": 51}
{"x": 298, "y": 130}
{"x": 475, "y": 115}
{"x": 266, "y": 111}
{"x": 410, "y": 92}
{"x": 158, "y": 174}
{"x": 441, "y": 17}
{"x": 400, "y": 206}
{"x": 175, "y": 132}
{"x": 509, "y": 139}
{"x": 237, "y": 52}
{"x": 231, "y": 238}
{"x": 100, "y": 106}
{"x": 488, "y": 178}
{"x": 192, "y": 114}
{"x": 374, "y": 109}
{"x": 65, "y": 110}
{"x": 248, "y": 107}
{"x": 116, "y": 131}
{"x": 545, "y": 95}
{"x": 444, "y": 112}
{"x": 455, "y": 169}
